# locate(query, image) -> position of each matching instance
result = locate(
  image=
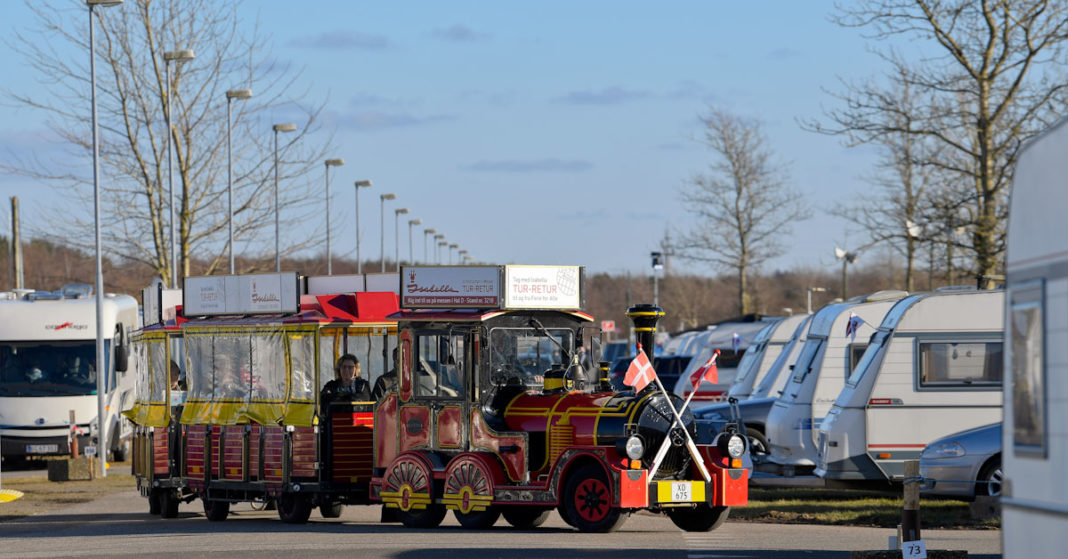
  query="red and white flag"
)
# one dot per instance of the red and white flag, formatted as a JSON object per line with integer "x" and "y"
{"x": 640, "y": 373}
{"x": 853, "y": 325}
{"x": 736, "y": 342}
{"x": 708, "y": 372}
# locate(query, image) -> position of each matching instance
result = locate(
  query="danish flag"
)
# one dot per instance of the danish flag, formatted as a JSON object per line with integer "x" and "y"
{"x": 640, "y": 373}
{"x": 736, "y": 342}
{"x": 709, "y": 371}
{"x": 853, "y": 325}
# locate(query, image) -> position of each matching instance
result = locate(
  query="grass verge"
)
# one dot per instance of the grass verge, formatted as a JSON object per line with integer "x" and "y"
{"x": 42, "y": 496}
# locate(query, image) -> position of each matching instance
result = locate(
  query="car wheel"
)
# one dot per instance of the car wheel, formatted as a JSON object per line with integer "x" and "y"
{"x": 758, "y": 443}
{"x": 990, "y": 479}
{"x": 216, "y": 511}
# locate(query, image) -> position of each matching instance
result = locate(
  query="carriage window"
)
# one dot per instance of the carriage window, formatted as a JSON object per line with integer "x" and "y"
{"x": 438, "y": 370}
{"x": 160, "y": 371}
{"x": 522, "y": 355}
{"x": 1028, "y": 337}
{"x": 959, "y": 364}
{"x": 302, "y": 360}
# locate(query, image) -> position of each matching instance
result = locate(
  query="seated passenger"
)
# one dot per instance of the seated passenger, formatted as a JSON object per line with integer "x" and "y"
{"x": 387, "y": 382}
{"x": 347, "y": 383}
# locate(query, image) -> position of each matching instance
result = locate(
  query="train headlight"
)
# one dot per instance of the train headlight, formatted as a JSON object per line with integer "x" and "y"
{"x": 632, "y": 447}
{"x": 735, "y": 446}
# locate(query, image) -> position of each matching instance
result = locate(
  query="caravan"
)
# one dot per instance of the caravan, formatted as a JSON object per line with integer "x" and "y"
{"x": 837, "y": 338}
{"x": 1034, "y": 491}
{"x": 733, "y": 339}
{"x": 932, "y": 368}
{"x": 765, "y": 350}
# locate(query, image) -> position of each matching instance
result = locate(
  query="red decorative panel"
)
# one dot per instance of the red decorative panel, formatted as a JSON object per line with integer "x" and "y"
{"x": 450, "y": 427}
{"x": 303, "y": 444}
{"x": 216, "y": 452}
{"x": 272, "y": 453}
{"x": 414, "y": 427}
{"x": 353, "y": 437}
{"x": 515, "y": 446}
{"x": 254, "y": 452}
{"x": 194, "y": 451}
{"x": 233, "y": 454}
{"x": 386, "y": 431}
{"x": 160, "y": 458}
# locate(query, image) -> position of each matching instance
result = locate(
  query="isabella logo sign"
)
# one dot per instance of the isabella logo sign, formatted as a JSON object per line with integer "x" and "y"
{"x": 453, "y": 287}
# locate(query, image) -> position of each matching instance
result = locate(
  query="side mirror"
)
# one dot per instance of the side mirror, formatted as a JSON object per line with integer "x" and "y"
{"x": 122, "y": 360}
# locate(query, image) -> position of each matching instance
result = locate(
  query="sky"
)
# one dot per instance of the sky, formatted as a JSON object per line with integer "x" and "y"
{"x": 544, "y": 132}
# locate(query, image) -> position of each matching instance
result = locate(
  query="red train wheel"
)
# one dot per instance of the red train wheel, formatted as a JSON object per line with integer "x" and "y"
{"x": 588, "y": 501}
{"x": 408, "y": 487}
{"x": 469, "y": 488}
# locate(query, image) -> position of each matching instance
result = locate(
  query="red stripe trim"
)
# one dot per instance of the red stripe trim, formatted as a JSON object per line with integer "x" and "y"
{"x": 897, "y": 446}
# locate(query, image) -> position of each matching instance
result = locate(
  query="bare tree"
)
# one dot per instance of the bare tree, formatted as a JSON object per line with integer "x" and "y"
{"x": 743, "y": 205}
{"x": 132, "y": 93}
{"x": 997, "y": 82}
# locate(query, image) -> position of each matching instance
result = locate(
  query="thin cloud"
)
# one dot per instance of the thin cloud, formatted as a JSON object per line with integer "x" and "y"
{"x": 378, "y": 120}
{"x": 342, "y": 40}
{"x": 458, "y": 33}
{"x": 607, "y": 96}
{"x": 549, "y": 165}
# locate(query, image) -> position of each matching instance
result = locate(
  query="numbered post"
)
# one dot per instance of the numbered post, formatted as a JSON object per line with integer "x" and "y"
{"x": 910, "y": 512}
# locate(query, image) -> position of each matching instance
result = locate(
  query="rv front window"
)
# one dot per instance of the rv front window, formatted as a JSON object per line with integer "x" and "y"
{"x": 52, "y": 368}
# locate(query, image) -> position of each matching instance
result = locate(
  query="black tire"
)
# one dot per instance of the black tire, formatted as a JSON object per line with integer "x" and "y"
{"x": 526, "y": 518}
{"x": 168, "y": 501}
{"x": 216, "y": 511}
{"x": 154, "y": 497}
{"x": 480, "y": 520}
{"x": 430, "y": 517}
{"x": 330, "y": 509}
{"x": 587, "y": 498}
{"x": 294, "y": 509}
{"x": 758, "y": 443}
{"x": 702, "y": 519}
{"x": 562, "y": 511}
{"x": 990, "y": 479}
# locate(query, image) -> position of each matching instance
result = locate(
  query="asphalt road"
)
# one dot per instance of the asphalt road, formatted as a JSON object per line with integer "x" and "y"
{"x": 119, "y": 525}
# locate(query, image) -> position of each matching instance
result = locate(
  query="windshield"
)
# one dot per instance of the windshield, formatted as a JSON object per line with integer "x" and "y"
{"x": 54, "y": 368}
{"x": 522, "y": 355}
{"x": 877, "y": 341}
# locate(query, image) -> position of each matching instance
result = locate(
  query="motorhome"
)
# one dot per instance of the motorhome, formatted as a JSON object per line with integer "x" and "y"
{"x": 765, "y": 350}
{"x": 732, "y": 339}
{"x": 933, "y": 367}
{"x": 837, "y": 339}
{"x": 48, "y": 371}
{"x": 1034, "y": 491}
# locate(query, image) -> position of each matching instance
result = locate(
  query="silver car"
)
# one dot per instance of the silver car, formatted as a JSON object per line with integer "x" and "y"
{"x": 965, "y": 464}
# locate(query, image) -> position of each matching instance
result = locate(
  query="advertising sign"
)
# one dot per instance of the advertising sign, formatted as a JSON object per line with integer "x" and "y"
{"x": 251, "y": 294}
{"x": 158, "y": 303}
{"x": 329, "y": 285}
{"x": 543, "y": 287}
{"x": 454, "y": 287}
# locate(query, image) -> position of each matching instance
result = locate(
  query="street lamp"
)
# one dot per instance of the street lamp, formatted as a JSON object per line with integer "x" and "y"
{"x": 847, "y": 258}
{"x": 168, "y": 57}
{"x": 384, "y": 197}
{"x": 396, "y": 235}
{"x": 809, "y": 291}
{"x": 411, "y": 222}
{"x": 451, "y": 247}
{"x": 230, "y": 96}
{"x": 439, "y": 238}
{"x": 426, "y": 234}
{"x": 441, "y": 244}
{"x": 329, "y": 163}
{"x": 101, "y": 389}
{"x": 461, "y": 255}
{"x": 658, "y": 265}
{"x": 359, "y": 262}
{"x": 285, "y": 127}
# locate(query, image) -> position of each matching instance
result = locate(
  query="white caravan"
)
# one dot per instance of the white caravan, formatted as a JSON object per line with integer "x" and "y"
{"x": 762, "y": 354}
{"x": 719, "y": 336}
{"x": 933, "y": 367}
{"x": 1034, "y": 490}
{"x": 47, "y": 370}
{"x": 827, "y": 358}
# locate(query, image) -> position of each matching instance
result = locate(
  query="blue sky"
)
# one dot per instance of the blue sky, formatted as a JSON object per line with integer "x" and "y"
{"x": 545, "y": 132}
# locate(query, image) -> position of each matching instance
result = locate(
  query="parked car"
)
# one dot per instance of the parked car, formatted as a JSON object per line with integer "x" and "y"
{"x": 965, "y": 464}
{"x": 667, "y": 367}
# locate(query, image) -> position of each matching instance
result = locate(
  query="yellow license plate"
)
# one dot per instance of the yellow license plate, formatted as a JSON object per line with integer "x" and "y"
{"x": 680, "y": 492}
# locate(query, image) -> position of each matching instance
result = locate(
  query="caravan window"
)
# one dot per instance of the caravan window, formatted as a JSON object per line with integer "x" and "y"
{"x": 856, "y": 352}
{"x": 960, "y": 364}
{"x": 1028, "y": 339}
{"x": 868, "y": 358}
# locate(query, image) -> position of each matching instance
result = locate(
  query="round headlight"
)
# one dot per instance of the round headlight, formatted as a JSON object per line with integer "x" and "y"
{"x": 735, "y": 446}
{"x": 635, "y": 447}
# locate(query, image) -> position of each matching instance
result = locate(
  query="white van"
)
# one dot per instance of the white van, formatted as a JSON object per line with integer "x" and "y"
{"x": 1034, "y": 490}
{"x": 719, "y": 336}
{"x": 933, "y": 367}
{"x": 765, "y": 350}
{"x": 827, "y": 358}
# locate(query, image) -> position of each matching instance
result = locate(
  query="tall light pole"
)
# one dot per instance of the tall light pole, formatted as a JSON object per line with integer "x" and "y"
{"x": 441, "y": 244}
{"x": 461, "y": 255}
{"x": 284, "y": 127}
{"x": 451, "y": 248}
{"x": 329, "y": 163}
{"x": 847, "y": 257}
{"x": 168, "y": 57}
{"x": 440, "y": 240}
{"x": 657, "y": 266}
{"x": 101, "y": 387}
{"x": 809, "y": 291}
{"x": 396, "y": 235}
{"x": 426, "y": 235}
{"x": 384, "y": 197}
{"x": 359, "y": 261}
{"x": 411, "y": 222}
{"x": 230, "y": 96}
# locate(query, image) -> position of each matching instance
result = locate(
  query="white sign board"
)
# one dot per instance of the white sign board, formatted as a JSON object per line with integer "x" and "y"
{"x": 452, "y": 287}
{"x": 158, "y": 303}
{"x": 250, "y": 294}
{"x": 542, "y": 287}
{"x": 330, "y": 285}
{"x": 383, "y": 282}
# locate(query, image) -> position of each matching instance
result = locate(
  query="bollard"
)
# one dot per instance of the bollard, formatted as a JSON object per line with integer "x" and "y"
{"x": 73, "y": 436}
{"x": 910, "y": 512}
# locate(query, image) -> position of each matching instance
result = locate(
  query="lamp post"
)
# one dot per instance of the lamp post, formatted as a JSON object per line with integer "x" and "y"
{"x": 230, "y": 96}
{"x": 396, "y": 235}
{"x": 461, "y": 255}
{"x": 329, "y": 163}
{"x": 384, "y": 197}
{"x": 426, "y": 235}
{"x": 440, "y": 238}
{"x": 809, "y": 291}
{"x": 359, "y": 262}
{"x": 847, "y": 258}
{"x": 101, "y": 388}
{"x": 285, "y": 127}
{"x": 451, "y": 248}
{"x": 657, "y": 266}
{"x": 411, "y": 222}
{"x": 168, "y": 57}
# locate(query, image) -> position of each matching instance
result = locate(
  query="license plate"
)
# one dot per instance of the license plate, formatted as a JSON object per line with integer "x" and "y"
{"x": 681, "y": 492}
{"x": 42, "y": 448}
